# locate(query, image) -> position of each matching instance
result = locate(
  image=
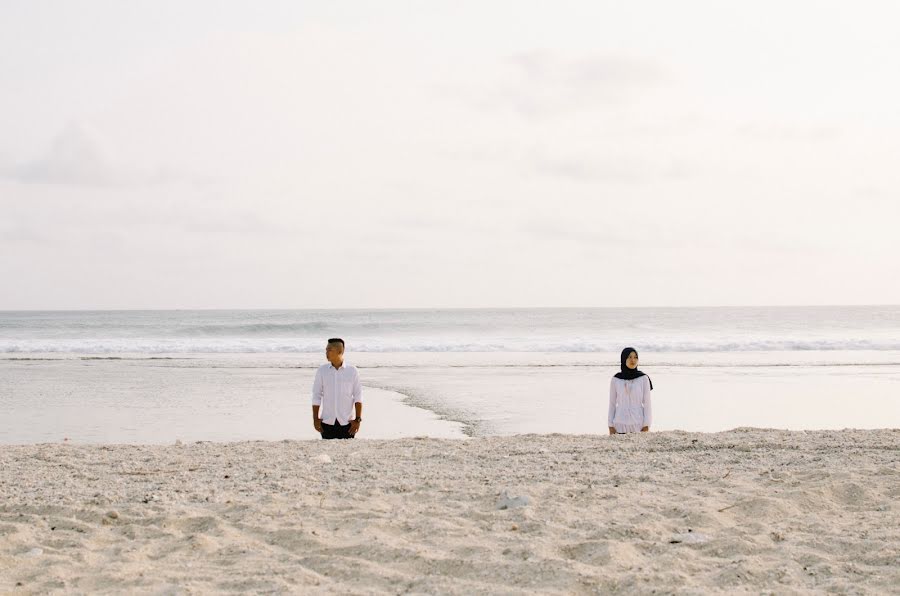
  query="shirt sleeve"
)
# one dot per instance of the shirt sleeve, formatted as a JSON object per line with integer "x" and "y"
{"x": 612, "y": 401}
{"x": 357, "y": 389}
{"x": 648, "y": 411}
{"x": 318, "y": 390}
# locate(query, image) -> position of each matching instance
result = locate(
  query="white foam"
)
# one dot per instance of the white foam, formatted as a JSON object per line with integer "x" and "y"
{"x": 525, "y": 344}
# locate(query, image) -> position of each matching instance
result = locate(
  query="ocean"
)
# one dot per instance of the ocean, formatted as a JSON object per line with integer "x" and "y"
{"x": 223, "y": 375}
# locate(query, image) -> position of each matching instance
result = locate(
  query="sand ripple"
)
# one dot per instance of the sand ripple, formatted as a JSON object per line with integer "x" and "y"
{"x": 763, "y": 511}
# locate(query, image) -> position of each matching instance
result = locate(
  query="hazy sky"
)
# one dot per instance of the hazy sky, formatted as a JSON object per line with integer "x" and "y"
{"x": 448, "y": 154}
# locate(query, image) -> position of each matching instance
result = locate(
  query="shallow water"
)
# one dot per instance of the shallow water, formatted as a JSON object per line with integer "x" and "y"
{"x": 133, "y": 398}
{"x": 157, "y": 376}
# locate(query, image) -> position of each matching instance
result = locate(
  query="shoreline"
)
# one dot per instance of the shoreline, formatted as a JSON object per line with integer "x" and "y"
{"x": 745, "y": 509}
{"x": 457, "y": 437}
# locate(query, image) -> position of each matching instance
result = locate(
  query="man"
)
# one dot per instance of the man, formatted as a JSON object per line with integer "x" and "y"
{"x": 336, "y": 392}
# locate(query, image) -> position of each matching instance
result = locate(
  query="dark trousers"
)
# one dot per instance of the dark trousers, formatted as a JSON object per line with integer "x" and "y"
{"x": 336, "y": 431}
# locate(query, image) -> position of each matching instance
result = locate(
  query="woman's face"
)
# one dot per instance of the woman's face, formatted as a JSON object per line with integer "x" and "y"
{"x": 632, "y": 361}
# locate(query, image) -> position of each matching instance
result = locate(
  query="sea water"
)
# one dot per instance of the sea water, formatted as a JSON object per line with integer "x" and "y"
{"x": 158, "y": 376}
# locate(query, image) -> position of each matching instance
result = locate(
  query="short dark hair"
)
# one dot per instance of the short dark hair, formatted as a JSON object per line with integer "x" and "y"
{"x": 337, "y": 340}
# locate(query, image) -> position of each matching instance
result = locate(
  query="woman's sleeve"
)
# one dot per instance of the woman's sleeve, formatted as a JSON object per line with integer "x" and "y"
{"x": 648, "y": 410}
{"x": 612, "y": 401}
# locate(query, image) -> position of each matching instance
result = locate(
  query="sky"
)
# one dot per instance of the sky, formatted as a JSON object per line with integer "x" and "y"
{"x": 448, "y": 154}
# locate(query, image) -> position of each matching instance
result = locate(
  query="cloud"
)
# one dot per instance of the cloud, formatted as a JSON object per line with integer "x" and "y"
{"x": 597, "y": 72}
{"x": 782, "y": 131}
{"x": 584, "y": 230}
{"x": 81, "y": 156}
{"x": 236, "y": 220}
{"x": 615, "y": 169}
{"x": 876, "y": 195}
{"x": 17, "y": 233}
{"x": 541, "y": 83}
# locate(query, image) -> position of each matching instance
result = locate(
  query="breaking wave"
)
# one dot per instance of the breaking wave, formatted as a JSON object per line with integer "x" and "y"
{"x": 268, "y": 344}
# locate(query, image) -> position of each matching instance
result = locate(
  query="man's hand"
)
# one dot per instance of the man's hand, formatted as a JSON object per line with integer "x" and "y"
{"x": 317, "y": 424}
{"x": 612, "y": 430}
{"x": 354, "y": 427}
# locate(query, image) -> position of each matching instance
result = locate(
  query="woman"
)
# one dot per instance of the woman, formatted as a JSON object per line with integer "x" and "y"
{"x": 629, "y": 397}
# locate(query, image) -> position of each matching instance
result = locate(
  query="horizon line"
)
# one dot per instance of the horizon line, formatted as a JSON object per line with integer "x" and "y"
{"x": 447, "y": 308}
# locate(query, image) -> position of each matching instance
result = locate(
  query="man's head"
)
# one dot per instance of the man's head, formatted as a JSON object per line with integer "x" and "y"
{"x": 334, "y": 351}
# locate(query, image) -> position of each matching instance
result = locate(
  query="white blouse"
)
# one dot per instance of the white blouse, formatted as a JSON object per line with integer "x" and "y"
{"x": 629, "y": 404}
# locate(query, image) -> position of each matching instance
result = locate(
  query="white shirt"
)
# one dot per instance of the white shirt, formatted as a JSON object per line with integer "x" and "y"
{"x": 335, "y": 390}
{"x": 629, "y": 404}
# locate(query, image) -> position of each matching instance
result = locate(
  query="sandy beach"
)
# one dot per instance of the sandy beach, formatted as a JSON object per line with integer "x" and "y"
{"x": 744, "y": 510}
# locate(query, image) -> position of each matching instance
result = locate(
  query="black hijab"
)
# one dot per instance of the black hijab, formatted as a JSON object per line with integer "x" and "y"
{"x": 628, "y": 373}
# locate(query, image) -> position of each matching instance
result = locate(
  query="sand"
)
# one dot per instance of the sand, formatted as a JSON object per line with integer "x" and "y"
{"x": 745, "y": 510}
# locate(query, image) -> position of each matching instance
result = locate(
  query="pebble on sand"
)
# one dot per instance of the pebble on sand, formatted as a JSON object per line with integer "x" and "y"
{"x": 507, "y": 502}
{"x": 689, "y": 538}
